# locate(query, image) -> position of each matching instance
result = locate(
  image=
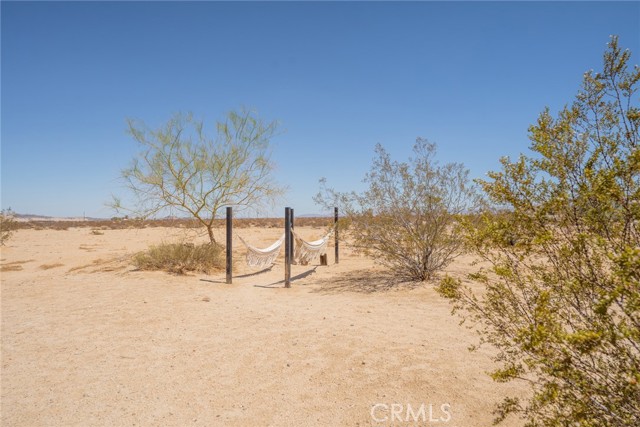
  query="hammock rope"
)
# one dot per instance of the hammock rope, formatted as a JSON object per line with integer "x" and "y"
{"x": 260, "y": 258}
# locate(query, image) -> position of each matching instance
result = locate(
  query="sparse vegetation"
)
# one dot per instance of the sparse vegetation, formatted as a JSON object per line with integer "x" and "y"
{"x": 407, "y": 218}
{"x": 8, "y": 225}
{"x": 15, "y": 265}
{"x": 50, "y": 266}
{"x": 180, "y": 258}
{"x": 562, "y": 300}
{"x": 318, "y": 222}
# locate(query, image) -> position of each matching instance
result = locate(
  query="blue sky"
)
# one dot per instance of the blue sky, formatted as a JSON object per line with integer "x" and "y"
{"x": 339, "y": 77}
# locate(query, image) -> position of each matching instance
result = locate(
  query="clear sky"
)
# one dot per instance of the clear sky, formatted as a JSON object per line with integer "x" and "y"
{"x": 340, "y": 77}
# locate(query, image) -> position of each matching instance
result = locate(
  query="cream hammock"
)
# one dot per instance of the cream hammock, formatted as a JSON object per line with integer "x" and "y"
{"x": 260, "y": 258}
{"x": 305, "y": 252}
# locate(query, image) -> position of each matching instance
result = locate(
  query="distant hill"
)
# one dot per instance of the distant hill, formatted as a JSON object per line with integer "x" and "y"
{"x": 31, "y": 216}
{"x": 315, "y": 215}
{"x": 34, "y": 217}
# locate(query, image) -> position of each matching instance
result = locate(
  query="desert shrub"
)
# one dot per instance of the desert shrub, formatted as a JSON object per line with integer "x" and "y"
{"x": 407, "y": 217}
{"x": 8, "y": 225}
{"x": 562, "y": 295}
{"x": 180, "y": 258}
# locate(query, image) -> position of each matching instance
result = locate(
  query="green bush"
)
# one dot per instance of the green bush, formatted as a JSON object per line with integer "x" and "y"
{"x": 8, "y": 225}
{"x": 180, "y": 258}
{"x": 561, "y": 299}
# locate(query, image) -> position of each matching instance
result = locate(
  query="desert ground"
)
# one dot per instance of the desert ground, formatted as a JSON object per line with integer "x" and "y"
{"x": 88, "y": 340}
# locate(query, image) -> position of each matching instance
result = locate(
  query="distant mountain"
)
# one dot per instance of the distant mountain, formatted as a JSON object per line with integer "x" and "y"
{"x": 315, "y": 215}
{"x": 31, "y": 216}
{"x": 34, "y": 217}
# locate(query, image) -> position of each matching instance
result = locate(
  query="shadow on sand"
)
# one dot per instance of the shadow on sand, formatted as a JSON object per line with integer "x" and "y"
{"x": 242, "y": 276}
{"x": 293, "y": 278}
{"x": 365, "y": 281}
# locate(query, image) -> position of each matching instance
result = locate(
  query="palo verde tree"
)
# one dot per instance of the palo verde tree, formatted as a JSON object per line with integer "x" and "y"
{"x": 181, "y": 168}
{"x": 407, "y": 217}
{"x": 562, "y": 293}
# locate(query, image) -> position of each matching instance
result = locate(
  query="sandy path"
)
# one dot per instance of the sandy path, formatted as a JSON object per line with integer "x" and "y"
{"x": 88, "y": 341}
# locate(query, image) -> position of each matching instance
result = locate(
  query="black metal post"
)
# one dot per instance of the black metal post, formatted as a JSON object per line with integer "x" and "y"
{"x": 287, "y": 247}
{"x": 229, "y": 244}
{"x": 335, "y": 221}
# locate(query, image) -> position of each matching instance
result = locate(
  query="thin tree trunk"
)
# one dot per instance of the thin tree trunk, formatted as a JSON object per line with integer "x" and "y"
{"x": 210, "y": 231}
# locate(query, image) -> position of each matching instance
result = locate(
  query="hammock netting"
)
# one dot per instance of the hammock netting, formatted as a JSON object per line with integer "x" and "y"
{"x": 304, "y": 252}
{"x": 260, "y": 258}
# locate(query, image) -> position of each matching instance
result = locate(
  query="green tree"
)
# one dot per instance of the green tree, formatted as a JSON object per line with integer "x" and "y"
{"x": 407, "y": 217}
{"x": 562, "y": 294}
{"x": 181, "y": 168}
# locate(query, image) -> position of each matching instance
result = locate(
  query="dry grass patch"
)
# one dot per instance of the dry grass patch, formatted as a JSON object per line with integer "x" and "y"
{"x": 180, "y": 258}
{"x": 14, "y": 266}
{"x": 102, "y": 265}
{"x": 50, "y": 266}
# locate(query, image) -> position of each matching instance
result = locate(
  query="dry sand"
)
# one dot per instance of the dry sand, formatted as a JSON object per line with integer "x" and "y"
{"x": 89, "y": 341}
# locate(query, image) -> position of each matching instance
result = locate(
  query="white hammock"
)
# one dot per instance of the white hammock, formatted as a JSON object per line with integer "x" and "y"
{"x": 260, "y": 258}
{"x": 305, "y": 252}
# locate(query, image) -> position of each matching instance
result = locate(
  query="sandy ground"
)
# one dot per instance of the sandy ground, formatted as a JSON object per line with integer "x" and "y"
{"x": 89, "y": 341}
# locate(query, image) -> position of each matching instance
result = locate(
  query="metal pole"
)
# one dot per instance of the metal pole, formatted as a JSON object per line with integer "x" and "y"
{"x": 293, "y": 241}
{"x": 287, "y": 247}
{"x": 335, "y": 221}
{"x": 229, "y": 244}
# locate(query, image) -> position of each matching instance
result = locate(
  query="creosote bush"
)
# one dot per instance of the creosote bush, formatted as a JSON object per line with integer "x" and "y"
{"x": 180, "y": 258}
{"x": 562, "y": 294}
{"x": 408, "y": 216}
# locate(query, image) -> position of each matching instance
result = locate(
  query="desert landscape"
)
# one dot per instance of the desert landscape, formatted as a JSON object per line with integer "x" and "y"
{"x": 482, "y": 156}
{"x": 89, "y": 340}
